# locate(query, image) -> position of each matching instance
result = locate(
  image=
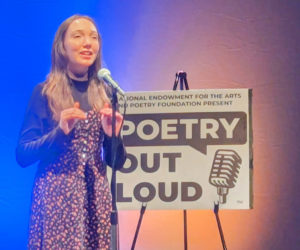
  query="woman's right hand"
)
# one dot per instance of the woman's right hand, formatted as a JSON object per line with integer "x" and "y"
{"x": 69, "y": 117}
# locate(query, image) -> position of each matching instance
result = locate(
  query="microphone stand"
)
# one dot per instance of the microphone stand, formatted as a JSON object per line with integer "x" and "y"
{"x": 114, "y": 213}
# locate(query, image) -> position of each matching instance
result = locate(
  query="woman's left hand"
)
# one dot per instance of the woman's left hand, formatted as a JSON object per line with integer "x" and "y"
{"x": 106, "y": 120}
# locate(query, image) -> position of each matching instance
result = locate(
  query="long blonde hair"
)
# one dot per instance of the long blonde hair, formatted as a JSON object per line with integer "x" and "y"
{"x": 57, "y": 87}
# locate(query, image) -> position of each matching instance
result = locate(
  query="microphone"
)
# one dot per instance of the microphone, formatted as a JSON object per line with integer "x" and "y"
{"x": 104, "y": 74}
{"x": 224, "y": 172}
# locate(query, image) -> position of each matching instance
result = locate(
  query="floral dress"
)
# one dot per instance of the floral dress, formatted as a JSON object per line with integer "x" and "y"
{"x": 71, "y": 201}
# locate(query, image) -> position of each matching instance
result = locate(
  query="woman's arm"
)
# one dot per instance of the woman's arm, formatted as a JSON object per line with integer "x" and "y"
{"x": 120, "y": 153}
{"x": 37, "y": 140}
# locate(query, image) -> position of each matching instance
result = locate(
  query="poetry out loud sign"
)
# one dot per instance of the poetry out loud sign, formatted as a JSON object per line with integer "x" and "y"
{"x": 187, "y": 150}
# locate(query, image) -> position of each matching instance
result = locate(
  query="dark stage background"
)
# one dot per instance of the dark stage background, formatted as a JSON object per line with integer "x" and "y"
{"x": 221, "y": 44}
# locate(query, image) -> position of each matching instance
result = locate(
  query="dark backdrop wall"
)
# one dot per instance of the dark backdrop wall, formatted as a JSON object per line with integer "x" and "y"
{"x": 220, "y": 44}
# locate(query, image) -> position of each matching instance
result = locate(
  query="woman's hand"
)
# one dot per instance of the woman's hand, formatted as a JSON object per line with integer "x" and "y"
{"x": 69, "y": 117}
{"x": 106, "y": 120}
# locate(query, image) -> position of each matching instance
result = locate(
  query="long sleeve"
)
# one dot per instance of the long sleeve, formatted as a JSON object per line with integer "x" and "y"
{"x": 120, "y": 153}
{"x": 40, "y": 137}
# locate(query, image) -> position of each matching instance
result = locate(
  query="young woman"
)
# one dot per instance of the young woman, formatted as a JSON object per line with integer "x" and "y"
{"x": 67, "y": 129}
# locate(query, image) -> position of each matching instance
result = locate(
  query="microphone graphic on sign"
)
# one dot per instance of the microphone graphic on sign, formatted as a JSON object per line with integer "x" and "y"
{"x": 224, "y": 172}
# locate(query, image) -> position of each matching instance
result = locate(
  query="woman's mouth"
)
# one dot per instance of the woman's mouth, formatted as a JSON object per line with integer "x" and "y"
{"x": 86, "y": 54}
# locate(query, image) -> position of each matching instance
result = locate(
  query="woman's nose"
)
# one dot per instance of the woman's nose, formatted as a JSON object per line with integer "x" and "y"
{"x": 87, "y": 42}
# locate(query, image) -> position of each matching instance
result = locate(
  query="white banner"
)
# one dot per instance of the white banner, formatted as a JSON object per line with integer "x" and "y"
{"x": 187, "y": 150}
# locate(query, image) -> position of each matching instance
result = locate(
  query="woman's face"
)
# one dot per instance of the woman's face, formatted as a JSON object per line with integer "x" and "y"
{"x": 81, "y": 44}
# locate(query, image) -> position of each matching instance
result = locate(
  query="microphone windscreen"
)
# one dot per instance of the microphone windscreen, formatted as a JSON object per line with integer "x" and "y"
{"x": 102, "y": 73}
